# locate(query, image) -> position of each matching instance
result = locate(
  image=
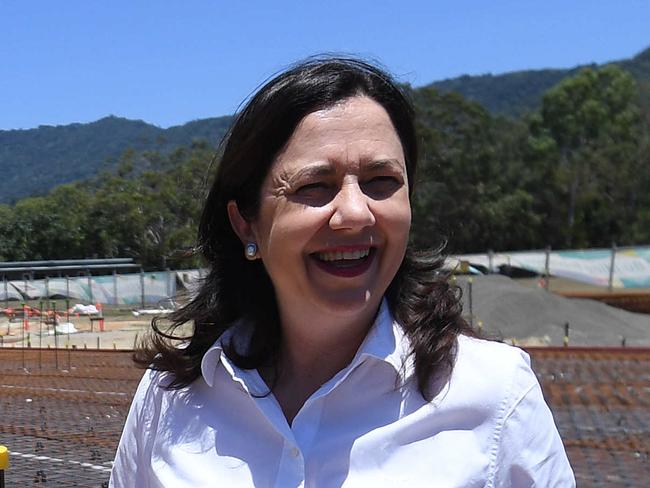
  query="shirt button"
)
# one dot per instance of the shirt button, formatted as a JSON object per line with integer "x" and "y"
{"x": 295, "y": 452}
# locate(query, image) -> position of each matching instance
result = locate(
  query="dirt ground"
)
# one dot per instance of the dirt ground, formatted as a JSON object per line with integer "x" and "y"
{"x": 515, "y": 311}
{"x": 120, "y": 331}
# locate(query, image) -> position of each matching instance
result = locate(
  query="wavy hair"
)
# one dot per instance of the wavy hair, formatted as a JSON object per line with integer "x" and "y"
{"x": 420, "y": 298}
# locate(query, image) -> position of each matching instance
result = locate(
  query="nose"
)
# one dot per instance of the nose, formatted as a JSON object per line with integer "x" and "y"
{"x": 351, "y": 210}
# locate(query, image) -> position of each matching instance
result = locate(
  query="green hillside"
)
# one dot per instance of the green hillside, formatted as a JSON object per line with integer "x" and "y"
{"x": 34, "y": 161}
{"x": 573, "y": 174}
{"x": 514, "y": 94}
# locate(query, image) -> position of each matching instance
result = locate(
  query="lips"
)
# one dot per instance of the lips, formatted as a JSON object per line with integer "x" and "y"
{"x": 345, "y": 262}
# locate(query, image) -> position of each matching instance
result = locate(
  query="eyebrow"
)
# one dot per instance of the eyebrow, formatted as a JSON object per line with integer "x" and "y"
{"x": 320, "y": 170}
{"x": 379, "y": 164}
{"x": 315, "y": 170}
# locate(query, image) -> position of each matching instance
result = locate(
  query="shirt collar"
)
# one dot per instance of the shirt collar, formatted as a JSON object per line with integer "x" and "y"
{"x": 385, "y": 342}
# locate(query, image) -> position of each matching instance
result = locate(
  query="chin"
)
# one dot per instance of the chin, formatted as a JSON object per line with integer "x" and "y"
{"x": 347, "y": 303}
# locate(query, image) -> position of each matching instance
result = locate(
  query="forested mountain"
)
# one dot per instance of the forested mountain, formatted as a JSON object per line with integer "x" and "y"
{"x": 514, "y": 94}
{"x": 574, "y": 172}
{"x": 34, "y": 161}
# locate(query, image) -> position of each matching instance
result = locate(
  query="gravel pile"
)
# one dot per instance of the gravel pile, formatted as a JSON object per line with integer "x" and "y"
{"x": 536, "y": 317}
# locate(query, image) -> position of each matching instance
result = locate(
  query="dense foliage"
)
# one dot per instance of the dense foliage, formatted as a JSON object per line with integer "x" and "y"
{"x": 575, "y": 173}
{"x": 520, "y": 92}
{"x": 34, "y": 161}
{"x": 150, "y": 216}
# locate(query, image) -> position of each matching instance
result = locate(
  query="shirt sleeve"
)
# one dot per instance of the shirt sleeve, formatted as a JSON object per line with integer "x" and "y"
{"x": 530, "y": 451}
{"x": 128, "y": 468}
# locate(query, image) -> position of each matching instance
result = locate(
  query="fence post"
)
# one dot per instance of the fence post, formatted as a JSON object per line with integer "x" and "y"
{"x": 40, "y": 335}
{"x": 169, "y": 283}
{"x": 612, "y": 263}
{"x": 90, "y": 286}
{"x": 566, "y": 334}
{"x": 115, "y": 285}
{"x": 547, "y": 267}
{"x": 25, "y": 276}
{"x": 56, "y": 337}
{"x": 471, "y": 307}
{"x": 142, "y": 287}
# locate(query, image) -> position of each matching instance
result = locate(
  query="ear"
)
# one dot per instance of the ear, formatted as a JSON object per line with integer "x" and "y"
{"x": 240, "y": 225}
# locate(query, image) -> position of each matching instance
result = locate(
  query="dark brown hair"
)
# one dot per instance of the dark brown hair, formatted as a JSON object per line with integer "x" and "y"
{"x": 419, "y": 297}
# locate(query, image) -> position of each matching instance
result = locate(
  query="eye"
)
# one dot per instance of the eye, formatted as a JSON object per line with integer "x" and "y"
{"x": 381, "y": 186}
{"x": 312, "y": 187}
{"x": 317, "y": 193}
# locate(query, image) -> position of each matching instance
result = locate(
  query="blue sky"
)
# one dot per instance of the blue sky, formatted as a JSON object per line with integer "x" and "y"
{"x": 169, "y": 62}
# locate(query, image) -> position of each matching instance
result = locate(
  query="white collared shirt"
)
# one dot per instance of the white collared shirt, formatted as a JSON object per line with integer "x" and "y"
{"x": 487, "y": 426}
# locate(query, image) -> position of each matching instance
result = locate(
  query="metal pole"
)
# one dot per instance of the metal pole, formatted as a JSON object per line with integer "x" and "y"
{"x": 67, "y": 286}
{"x": 547, "y": 266}
{"x": 566, "y": 334}
{"x": 67, "y": 320}
{"x": 115, "y": 285}
{"x": 56, "y": 341}
{"x": 90, "y": 286}
{"x": 40, "y": 335}
{"x": 471, "y": 308}
{"x": 169, "y": 284}
{"x": 4, "y": 279}
{"x": 142, "y": 287}
{"x": 23, "y": 327}
{"x": 611, "y": 267}
{"x": 490, "y": 261}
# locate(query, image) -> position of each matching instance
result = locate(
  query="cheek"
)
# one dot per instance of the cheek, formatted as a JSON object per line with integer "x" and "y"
{"x": 290, "y": 228}
{"x": 397, "y": 216}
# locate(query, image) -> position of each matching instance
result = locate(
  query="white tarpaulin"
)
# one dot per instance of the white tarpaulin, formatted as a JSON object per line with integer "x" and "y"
{"x": 9, "y": 293}
{"x": 631, "y": 265}
{"x": 119, "y": 289}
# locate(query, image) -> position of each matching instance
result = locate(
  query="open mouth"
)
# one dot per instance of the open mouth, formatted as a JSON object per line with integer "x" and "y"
{"x": 347, "y": 263}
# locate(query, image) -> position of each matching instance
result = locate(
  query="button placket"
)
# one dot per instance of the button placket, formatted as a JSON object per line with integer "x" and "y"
{"x": 291, "y": 471}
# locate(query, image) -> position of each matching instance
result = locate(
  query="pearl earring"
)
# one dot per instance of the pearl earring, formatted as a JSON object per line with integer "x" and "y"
{"x": 250, "y": 251}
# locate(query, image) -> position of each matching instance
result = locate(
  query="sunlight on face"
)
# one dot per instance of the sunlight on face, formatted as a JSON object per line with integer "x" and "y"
{"x": 335, "y": 215}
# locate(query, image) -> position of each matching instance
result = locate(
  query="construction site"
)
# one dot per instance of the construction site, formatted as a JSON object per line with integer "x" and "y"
{"x": 67, "y": 378}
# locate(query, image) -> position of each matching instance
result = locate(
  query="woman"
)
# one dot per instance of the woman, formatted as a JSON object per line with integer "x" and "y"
{"x": 325, "y": 352}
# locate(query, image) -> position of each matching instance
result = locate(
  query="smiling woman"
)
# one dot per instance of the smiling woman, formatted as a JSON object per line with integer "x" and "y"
{"x": 333, "y": 221}
{"x": 325, "y": 352}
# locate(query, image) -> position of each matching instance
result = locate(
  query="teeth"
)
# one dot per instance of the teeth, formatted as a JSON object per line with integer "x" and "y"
{"x": 341, "y": 256}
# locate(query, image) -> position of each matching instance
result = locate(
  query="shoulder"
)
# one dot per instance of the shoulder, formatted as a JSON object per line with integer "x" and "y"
{"x": 488, "y": 375}
{"x": 150, "y": 386}
{"x": 526, "y": 449}
{"x": 497, "y": 353}
{"x": 151, "y": 394}
{"x": 495, "y": 363}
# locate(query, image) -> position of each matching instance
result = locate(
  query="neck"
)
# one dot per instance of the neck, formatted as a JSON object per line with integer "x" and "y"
{"x": 313, "y": 350}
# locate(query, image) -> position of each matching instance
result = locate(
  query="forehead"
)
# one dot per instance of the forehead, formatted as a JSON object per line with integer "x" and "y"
{"x": 354, "y": 131}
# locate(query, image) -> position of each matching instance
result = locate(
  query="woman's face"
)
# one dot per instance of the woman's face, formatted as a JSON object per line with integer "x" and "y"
{"x": 334, "y": 216}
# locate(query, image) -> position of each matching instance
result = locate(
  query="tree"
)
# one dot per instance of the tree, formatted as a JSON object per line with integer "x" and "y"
{"x": 589, "y": 123}
{"x": 469, "y": 187}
